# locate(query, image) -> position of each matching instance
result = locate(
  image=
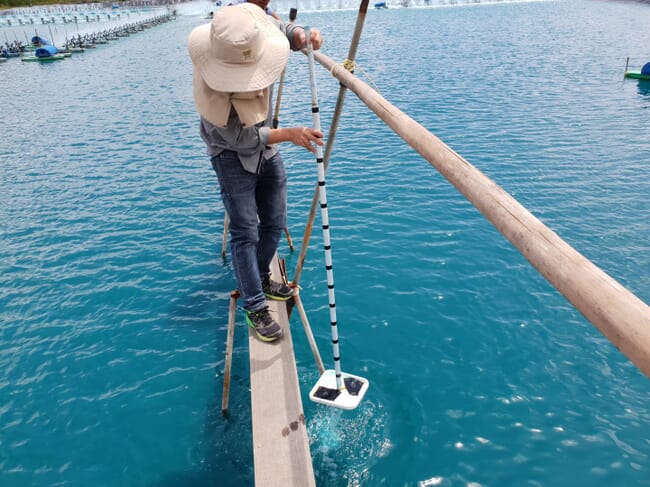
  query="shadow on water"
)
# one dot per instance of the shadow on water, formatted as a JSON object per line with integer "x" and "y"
{"x": 644, "y": 88}
{"x": 223, "y": 455}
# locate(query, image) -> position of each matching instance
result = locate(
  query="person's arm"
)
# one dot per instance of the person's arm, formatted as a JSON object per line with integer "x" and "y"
{"x": 297, "y": 38}
{"x": 249, "y": 140}
{"x": 300, "y": 136}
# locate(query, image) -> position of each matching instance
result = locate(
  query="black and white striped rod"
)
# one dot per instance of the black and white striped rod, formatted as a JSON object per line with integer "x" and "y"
{"x": 324, "y": 216}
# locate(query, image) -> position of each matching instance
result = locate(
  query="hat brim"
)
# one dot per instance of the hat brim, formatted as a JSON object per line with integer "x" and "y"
{"x": 227, "y": 77}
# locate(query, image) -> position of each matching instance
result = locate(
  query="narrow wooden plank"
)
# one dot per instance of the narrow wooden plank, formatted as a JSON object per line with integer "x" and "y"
{"x": 280, "y": 443}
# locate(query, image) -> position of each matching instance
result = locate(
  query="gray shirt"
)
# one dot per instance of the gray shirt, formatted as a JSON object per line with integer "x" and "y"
{"x": 250, "y": 143}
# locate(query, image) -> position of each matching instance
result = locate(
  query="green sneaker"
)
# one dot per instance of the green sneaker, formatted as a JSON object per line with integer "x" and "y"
{"x": 276, "y": 290}
{"x": 266, "y": 328}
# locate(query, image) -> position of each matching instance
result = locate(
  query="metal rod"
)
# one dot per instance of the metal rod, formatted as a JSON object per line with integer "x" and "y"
{"x": 327, "y": 246}
{"x": 51, "y": 35}
{"x": 361, "y": 16}
{"x": 308, "y": 332}
{"x": 619, "y": 315}
{"x": 229, "y": 345}
{"x": 224, "y": 241}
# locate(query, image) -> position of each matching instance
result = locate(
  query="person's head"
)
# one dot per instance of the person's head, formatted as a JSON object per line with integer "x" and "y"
{"x": 240, "y": 52}
{"x": 260, "y": 3}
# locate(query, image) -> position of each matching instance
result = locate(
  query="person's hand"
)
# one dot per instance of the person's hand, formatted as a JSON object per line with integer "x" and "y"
{"x": 300, "y": 39}
{"x": 300, "y": 136}
{"x": 305, "y": 136}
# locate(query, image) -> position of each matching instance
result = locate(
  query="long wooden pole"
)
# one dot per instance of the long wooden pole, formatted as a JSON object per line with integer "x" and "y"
{"x": 352, "y": 52}
{"x": 278, "y": 100}
{"x": 621, "y": 316}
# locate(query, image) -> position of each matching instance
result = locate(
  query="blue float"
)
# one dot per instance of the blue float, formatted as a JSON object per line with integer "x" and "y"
{"x": 46, "y": 51}
{"x": 41, "y": 41}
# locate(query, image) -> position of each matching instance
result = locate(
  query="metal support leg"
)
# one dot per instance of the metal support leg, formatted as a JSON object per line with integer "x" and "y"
{"x": 229, "y": 345}
{"x": 224, "y": 242}
{"x": 308, "y": 332}
{"x": 289, "y": 241}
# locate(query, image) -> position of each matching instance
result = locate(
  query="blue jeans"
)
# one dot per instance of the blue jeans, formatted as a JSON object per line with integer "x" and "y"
{"x": 257, "y": 208}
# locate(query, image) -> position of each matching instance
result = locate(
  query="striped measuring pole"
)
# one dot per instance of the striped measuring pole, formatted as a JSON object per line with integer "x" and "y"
{"x": 346, "y": 390}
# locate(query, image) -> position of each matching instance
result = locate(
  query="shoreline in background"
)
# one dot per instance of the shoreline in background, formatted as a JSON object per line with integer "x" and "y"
{"x": 7, "y": 8}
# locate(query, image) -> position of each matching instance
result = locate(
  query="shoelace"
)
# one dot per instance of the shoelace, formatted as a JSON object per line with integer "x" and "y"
{"x": 264, "y": 315}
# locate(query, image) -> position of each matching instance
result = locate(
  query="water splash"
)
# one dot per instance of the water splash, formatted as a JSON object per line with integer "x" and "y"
{"x": 345, "y": 444}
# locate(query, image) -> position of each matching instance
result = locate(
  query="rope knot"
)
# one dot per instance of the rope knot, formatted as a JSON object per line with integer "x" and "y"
{"x": 349, "y": 65}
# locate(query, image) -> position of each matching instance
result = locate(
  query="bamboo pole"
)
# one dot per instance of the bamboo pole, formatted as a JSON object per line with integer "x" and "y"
{"x": 354, "y": 44}
{"x": 621, "y": 316}
{"x": 292, "y": 17}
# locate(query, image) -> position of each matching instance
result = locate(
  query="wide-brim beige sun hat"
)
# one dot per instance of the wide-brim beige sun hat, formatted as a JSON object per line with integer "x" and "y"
{"x": 242, "y": 49}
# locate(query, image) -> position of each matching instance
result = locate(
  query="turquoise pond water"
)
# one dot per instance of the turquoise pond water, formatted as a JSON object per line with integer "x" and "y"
{"x": 114, "y": 296}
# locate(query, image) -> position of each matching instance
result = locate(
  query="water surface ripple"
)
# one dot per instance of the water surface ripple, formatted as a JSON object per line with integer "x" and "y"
{"x": 114, "y": 296}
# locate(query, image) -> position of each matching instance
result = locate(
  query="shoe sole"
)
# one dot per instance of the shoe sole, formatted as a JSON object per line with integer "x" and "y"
{"x": 262, "y": 337}
{"x": 275, "y": 297}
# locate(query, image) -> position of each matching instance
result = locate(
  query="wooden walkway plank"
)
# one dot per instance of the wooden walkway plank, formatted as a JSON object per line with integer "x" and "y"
{"x": 280, "y": 442}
